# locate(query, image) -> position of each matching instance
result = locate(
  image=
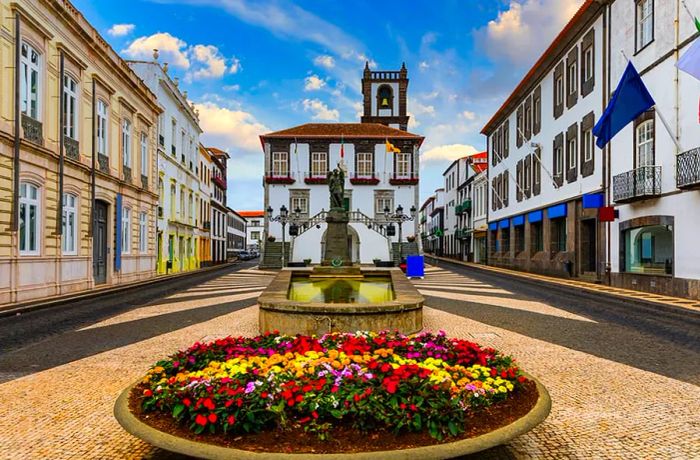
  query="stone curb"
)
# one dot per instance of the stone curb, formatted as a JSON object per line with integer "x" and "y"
{"x": 455, "y": 449}
{"x": 41, "y": 304}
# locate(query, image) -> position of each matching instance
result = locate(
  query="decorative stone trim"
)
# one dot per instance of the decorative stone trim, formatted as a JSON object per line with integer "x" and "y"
{"x": 71, "y": 148}
{"x": 33, "y": 130}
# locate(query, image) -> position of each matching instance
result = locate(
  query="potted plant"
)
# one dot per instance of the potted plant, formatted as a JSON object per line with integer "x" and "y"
{"x": 411, "y": 238}
{"x": 271, "y": 238}
{"x": 307, "y": 262}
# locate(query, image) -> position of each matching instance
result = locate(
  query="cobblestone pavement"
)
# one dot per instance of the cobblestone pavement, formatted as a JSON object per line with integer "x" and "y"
{"x": 605, "y": 405}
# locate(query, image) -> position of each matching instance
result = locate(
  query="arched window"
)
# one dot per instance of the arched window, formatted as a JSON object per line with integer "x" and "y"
{"x": 385, "y": 97}
{"x": 29, "y": 219}
{"x": 69, "y": 236}
{"x": 645, "y": 143}
{"x": 70, "y": 107}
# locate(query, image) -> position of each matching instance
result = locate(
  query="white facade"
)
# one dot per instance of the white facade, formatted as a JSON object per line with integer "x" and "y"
{"x": 367, "y": 243}
{"x": 255, "y": 230}
{"x": 452, "y": 177}
{"x": 660, "y": 228}
{"x": 178, "y": 181}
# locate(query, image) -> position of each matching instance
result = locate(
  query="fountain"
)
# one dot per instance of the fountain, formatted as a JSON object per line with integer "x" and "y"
{"x": 338, "y": 295}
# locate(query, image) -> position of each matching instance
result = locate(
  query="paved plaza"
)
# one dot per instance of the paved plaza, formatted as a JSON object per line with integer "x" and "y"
{"x": 623, "y": 379}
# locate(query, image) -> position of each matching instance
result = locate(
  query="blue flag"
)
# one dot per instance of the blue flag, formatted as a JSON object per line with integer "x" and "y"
{"x": 631, "y": 99}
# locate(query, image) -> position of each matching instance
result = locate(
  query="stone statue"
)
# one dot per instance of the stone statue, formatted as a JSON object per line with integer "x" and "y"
{"x": 336, "y": 186}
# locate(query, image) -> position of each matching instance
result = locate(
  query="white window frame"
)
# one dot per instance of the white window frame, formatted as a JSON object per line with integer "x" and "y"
{"x": 645, "y": 23}
{"x": 173, "y": 135}
{"x": 365, "y": 165}
{"x": 528, "y": 119}
{"x": 144, "y": 154}
{"x": 301, "y": 202}
{"x": 381, "y": 202}
{"x": 143, "y": 232}
{"x": 280, "y": 164}
{"x": 102, "y": 127}
{"x": 587, "y": 64}
{"x": 126, "y": 230}
{"x": 572, "y": 147}
{"x": 70, "y": 107}
{"x": 645, "y": 143}
{"x": 27, "y": 202}
{"x": 559, "y": 89}
{"x": 319, "y": 164}
{"x": 126, "y": 142}
{"x": 30, "y": 72}
{"x": 587, "y": 145}
{"x": 573, "y": 78}
{"x": 69, "y": 235}
{"x": 559, "y": 161}
{"x": 403, "y": 165}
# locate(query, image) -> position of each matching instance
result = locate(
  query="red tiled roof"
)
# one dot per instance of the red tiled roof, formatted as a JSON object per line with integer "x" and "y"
{"x": 252, "y": 213}
{"x": 532, "y": 76}
{"x": 349, "y": 130}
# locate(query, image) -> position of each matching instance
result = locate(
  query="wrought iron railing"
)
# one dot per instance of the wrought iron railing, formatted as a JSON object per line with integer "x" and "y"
{"x": 33, "y": 129}
{"x": 144, "y": 181}
{"x": 640, "y": 183}
{"x": 103, "y": 163}
{"x": 127, "y": 173}
{"x": 688, "y": 168}
{"x": 71, "y": 148}
{"x": 353, "y": 216}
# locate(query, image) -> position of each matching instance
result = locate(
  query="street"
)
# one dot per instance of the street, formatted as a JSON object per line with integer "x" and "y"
{"x": 623, "y": 378}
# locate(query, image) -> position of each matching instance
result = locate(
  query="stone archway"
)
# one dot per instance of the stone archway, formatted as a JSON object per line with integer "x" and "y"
{"x": 353, "y": 244}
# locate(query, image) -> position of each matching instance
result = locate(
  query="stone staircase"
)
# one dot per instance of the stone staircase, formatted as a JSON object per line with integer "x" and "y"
{"x": 272, "y": 255}
{"x": 407, "y": 249}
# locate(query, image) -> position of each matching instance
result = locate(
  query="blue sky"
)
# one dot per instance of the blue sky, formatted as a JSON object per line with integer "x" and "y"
{"x": 253, "y": 66}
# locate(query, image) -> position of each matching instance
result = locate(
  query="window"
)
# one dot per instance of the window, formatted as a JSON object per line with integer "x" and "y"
{"x": 587, "y": 145}
{"x": 143, "y": 232}
{"x": 255, "y": 223}
{"x": 558, "y": 235}
{"x": 280, "y": 166}
{"x": 649, "y": 250}
{"x": 173, "y": 136}
{"x": 102, "y": 127}
{"x": 182, "y": 146}
{"x": 536, "y": 237}
{"x": 190, "y": 208}
{"x": 383, "y": 199}
{"x": 528, "y": 119}
{"x": 144, "y": 154}
{"x": 385, "y": 97}
{"x": 70, "y": 107}
{"x": 70, "y": 232}
{"x": 505, "y": 239}
{"x": 645, "y": 23}
{"x": 572, "y": 80}
{"x": 30, "y": 64}
{"x": 519, "y": 239}
{"x": 587, "y": 64}
{"x": 172, "y": 201}
{"x": 365, "y": 164}
{"x": 571, "y": 153}
{"x": 319, "y": 164}
{"x": 126, "y": 230}
{"x": 559, "y": 91}
{"x": 28, "y": 219}
{"x": 182, "y": 210}
{"x": 301, "y": 203}
{"x": 403, "y": 165}
{"x": 255, "y": 236}
{"x": 126, "y": 142}
{"x": 645, "y": 143}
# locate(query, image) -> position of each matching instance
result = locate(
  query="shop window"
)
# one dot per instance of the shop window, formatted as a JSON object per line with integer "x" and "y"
{"x": 649, "y": 250}
{"x": 519, "y": 239}
{"x": 558, "y": 235}
{"x": 536, "y": 237}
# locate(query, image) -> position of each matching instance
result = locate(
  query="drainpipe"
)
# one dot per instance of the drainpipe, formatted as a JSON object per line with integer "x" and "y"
{"x": 607, "y": 70}
{"x": 676, "y": 107}
{"x": 61, "y": 143}
{"x": 14, "y": 226}
{"x": 92, "y": 165}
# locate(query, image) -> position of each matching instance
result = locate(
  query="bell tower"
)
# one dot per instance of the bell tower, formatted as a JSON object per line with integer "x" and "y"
{"x": 384, "y": 97}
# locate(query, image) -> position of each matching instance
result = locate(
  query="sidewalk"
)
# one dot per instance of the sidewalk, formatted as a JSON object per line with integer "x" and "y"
{"x": 601, "y": 289}
{"x": 12, "y": 309}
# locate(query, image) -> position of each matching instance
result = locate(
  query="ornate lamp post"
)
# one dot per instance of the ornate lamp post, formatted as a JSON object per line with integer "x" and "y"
{"x": 399, "y": 217}
{"x": 282, "y": 218}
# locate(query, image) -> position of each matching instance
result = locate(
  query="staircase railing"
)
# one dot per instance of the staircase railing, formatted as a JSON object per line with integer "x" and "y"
{"x": 354, "y": 217}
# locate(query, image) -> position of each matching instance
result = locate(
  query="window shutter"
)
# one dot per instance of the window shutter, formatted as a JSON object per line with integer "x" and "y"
{"x": 558, "y": 73}
{"x": 571, "y": 86}
{"x": 506, "y": 139}
{"x": 118, "y": 234}
{"x": 528, "y": 123}
{"x": 558, "y": 144}
{"x": 587, "y": 167}
{"x": 571, "y": 135}
{"x": 519, "y": 179}
{"x": 537, "y": 111}
{"x": 519, "y": 134}
{"x": 537, "y": 171}
{"x": 587, "y": 42}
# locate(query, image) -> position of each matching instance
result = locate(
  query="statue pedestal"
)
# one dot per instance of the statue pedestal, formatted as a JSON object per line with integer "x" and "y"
{"x": 337, "y": 238}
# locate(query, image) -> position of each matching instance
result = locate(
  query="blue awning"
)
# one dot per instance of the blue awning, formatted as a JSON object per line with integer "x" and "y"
{"x": 518, "y": 221}
{"x": 493, "y": 226}
{"x": 534, "y": 216}
{"x": 554, "y": 212}
{"x": 593, "y": 200}
{"x": 505, "y": 223}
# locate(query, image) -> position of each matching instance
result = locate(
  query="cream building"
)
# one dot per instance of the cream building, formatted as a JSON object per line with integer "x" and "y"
{"x": 77, "y": 157}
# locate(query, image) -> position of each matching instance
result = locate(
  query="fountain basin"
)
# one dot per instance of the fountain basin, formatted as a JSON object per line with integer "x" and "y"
{"x": 295, "y": 303}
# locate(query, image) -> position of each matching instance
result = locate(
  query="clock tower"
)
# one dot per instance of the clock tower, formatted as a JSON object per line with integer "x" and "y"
{"x": 384, "y": 97}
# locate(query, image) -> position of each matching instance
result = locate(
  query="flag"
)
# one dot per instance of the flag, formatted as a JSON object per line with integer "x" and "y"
{"x": 390, "y": 147}
{"x": 631, "y": 99}
{"x": 690, "y": 62}
{"x": 697, "y": 24}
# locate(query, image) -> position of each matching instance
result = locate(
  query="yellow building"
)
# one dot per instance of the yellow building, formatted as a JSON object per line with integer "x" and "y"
{"x": 78, "y": 194}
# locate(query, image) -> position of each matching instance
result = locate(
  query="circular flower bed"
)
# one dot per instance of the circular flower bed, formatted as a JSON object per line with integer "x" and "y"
{"x": 426, "y": 388}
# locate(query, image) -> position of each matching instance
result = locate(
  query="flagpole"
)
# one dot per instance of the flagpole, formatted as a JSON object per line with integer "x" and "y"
{"x": 687, "y": 10}
{"x": 668, "y": 130}
{"x": 386, "y": 141}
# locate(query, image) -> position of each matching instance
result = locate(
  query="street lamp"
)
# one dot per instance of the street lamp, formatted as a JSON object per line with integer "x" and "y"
{"x": 400, "y": 218}
{"x": 282, "y": 218}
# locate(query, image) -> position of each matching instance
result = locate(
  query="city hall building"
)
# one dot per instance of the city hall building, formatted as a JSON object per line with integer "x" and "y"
{"x": 297, "y": 161}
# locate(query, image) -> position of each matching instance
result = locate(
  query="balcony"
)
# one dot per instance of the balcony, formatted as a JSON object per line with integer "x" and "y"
{"x": 127, "y": 174}
{"x": 403, "y": 180}
{"x": 283, "y": 180}
{"x": 33, "y": 130}
{"x": 71, "y": 148}
{"x": 467, "y": 205}
{"x": 688, "y": 169}
{"x": 219, "y": 181}
{"x": 315, "y": 179}
{"x": 364, "y": 180}
{"x": 144, "y": 181}
{"x": 173, "y": 151}
{"x": 637, "y": 184}
{"x": 103, "y": 163}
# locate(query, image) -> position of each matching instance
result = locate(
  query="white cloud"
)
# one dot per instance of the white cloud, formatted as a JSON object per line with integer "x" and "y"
{"x": 119, "y": 30}
{"x": 229, "y": 129}
{"x": 231, "y": 87}
{"x": 520, "y": 33}
{"x": 325, "y": 60}
{"x": 320, "y": 110}
{"x": 313, "y": 83}
{"x": 468, "y": 115}
{"x": 423, "y": 66}
{"x": 421, "y": 109}
{"x": 235, "y": 65}
{"x": 214, "y": 64}
{"x": 171, "y": 49}
{"x": 448, "y": 152}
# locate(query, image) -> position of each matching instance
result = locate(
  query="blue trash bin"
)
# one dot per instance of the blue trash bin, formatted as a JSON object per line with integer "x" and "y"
{"x": 415, "y": 267}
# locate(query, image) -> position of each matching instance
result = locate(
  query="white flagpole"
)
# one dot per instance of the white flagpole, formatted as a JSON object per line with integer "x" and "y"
{"x": 539, "y": 160}
{"x": 687, "y": 10}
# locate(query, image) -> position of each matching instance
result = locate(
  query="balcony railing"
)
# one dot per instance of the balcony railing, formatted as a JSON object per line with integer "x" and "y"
{"x": 127, "y": 173}
{"x": 364, "y": 179}
{"x": 33, "y": 130}
{"x": 315, "y": 178}
{"x": 71, "y": 148}
{"x": 103, "y": 163}
{"x": 161, "y": 140}
{"x": 173, "y": 151}
{"x": 206, "y": 225}
{"x": 688, "y": 169}
{"x": 403, "y": 179}
{"x": 144, "y": 181}
{"x": 219, "y": 181}
{"x": 637, "y": 184}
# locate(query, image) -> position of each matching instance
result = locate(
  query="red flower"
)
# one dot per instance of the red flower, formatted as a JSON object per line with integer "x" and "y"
{"x": 209, "y": 404}
{"x": 147, "y": 393}
{"x": 263, "y": 395}
{"x": 314, "y": 414}
{"x": 212, "y": 417}
{"x": 200, "y": 420}
{"x": 521, "y": 379}
{"x": 334, "y": 389}
{"x": 231, "y": 420}
{"x": 356, "y": 398}
{"x": 304, "y": 420}
{"x": 187, "y": 402}
{"x": 228, "y": 403}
